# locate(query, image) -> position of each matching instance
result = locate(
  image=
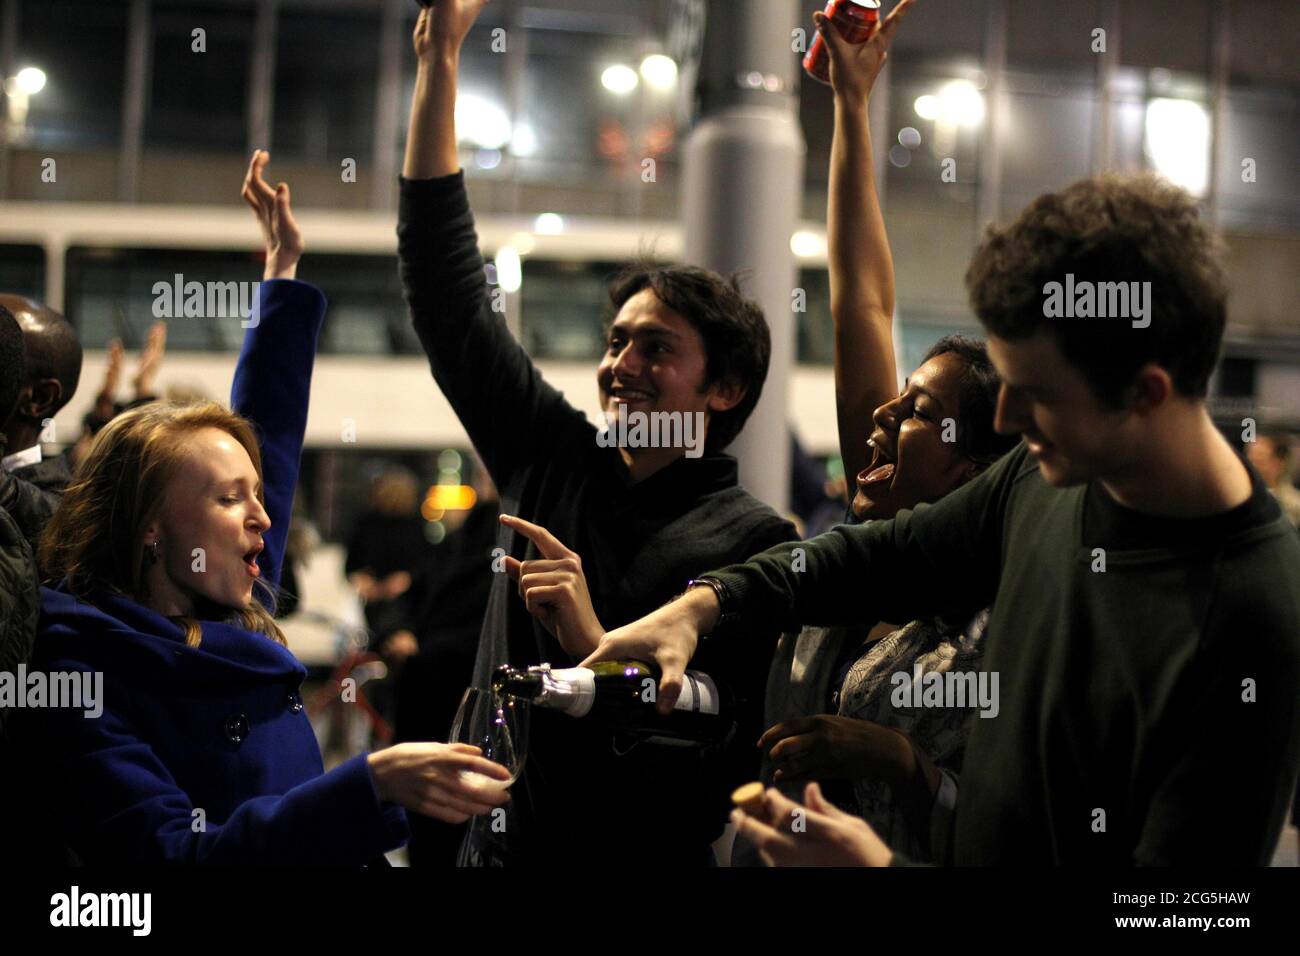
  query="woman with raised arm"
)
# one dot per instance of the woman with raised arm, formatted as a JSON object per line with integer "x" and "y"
{"x": 164, "y": 557}
{"x": 828, "y": 704}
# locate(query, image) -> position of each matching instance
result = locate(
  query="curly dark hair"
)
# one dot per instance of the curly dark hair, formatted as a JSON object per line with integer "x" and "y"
{"x": 1110, "y": 229}
{"x": 977, "y": 398}
{"x": 736, "y": 337}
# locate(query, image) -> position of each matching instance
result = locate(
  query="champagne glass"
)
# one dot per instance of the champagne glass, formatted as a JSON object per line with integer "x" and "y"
{"x": 498, "y": 726}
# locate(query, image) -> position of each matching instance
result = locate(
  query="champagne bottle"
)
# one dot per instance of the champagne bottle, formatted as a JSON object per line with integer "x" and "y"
{"x": 622, "y": 694}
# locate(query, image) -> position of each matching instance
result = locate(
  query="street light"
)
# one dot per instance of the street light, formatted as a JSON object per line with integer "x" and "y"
{"x": 619, "y": 79}
{"x": 30, "y": 80}
{"x": 659, "y": 71}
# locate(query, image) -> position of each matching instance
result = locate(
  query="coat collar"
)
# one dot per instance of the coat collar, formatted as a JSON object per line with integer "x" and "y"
{"x": 108, "y": 629}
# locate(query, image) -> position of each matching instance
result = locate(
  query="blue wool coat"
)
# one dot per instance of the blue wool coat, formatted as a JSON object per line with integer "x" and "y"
{"x": 205, "y": 755}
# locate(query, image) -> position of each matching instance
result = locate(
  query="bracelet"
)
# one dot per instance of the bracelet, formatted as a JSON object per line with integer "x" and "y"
{"x": 726, "y": 608}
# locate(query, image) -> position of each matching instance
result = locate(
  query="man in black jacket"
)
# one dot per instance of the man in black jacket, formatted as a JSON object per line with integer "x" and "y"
{"x": 18, "y": 594}
{"x": 47, "y": 381}
{"x": 52, "y": 369}
{"x": 684, "y": 343}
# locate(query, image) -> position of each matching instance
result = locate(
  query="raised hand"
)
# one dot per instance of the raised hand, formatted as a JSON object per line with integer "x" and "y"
{"x": 150, "y": 359}
{"x": 442, "y": 28}
{"x": 112, "y": 374}
{"x": 819, "y": 834}
{"x": 284, "y": 244}
{"x": 554, "y": 589}
{"x": 855, "y": 66}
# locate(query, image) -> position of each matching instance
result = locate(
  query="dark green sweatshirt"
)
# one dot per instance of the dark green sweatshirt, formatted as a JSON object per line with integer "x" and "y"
{"x": 1149, "y": 712}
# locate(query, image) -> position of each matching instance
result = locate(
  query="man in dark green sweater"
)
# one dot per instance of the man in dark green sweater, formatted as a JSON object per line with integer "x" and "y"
{"x": 1145, "y": 632}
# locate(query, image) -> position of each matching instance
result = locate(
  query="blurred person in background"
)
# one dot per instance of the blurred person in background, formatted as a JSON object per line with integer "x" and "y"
{"x": 1272, "y": 453}
{"x": 441, "y": 616}
{"x": 304, "y": 538}
{"x": 106, "y": 405}
{"x": 816, "y": 499}
{"x": 387, "y": 544}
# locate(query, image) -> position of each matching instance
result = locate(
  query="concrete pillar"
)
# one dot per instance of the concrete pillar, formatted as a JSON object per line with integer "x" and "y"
{"x": 741, "y": 192}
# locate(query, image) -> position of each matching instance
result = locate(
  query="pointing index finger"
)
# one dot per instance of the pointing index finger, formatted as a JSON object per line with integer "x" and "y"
{"x": 548, "y": 544}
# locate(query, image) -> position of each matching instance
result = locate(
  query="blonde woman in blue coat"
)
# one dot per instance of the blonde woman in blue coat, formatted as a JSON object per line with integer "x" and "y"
{"x": 202, "y": 753}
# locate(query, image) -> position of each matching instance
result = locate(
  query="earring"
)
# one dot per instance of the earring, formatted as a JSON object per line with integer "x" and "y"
{"x": 153, "y": 552}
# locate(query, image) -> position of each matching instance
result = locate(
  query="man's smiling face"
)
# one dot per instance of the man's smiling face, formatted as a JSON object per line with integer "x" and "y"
{"x": 655, "y": 361}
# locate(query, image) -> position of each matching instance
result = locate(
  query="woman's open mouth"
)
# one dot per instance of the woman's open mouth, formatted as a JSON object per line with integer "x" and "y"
{"x": 250, "y": 562}
{"x": 872, "y": 476}
{"x": 880, "y": 469}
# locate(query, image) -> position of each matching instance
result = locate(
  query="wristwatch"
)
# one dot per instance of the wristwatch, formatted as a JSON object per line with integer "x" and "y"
{"x": 727, "y": 613}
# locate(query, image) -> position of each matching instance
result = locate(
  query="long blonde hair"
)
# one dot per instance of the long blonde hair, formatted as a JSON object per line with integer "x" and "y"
{"x": 96, "y": 537}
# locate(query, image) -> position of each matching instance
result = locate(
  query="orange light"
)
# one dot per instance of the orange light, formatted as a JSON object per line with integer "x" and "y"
{"x": 448, "y": 498}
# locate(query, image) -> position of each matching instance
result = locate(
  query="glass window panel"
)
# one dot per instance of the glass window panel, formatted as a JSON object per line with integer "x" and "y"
{"x": 1047, "y": 135}
{"x": 564, "y": 306}
{"x": 1052, "y": 35}
{"x": 111, "y": 293}
{"x": 1264, "y": 41}
{"x": 945, "y": 103}
{"x": 367, "y": 315}
{"x": 931, "y": 245}
{"x": 335, "y": 484}
{"x": 199, "y": 100}
{"x": 919, "y": 337}
{"x": 1260, "y": 127}
{"x": 326, "y": 74}
{"x": 22, "y": 271}
{"x": 80, "y": 45}
{"x": 815, "y": 331}
{"x": 1167, "y": 34}
{"x": 485, "y": 108}
{"x": 565, "y": 105}
{"x": 938, "y": 29}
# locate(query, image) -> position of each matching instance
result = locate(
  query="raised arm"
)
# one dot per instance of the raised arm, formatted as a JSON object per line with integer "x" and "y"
{"x": 941, "y": 559}
{"x": 431, "y": 138}
{"x": 861, "y": 268}
{"x": 511, "y": 414}
{"x": 273, "y": 377}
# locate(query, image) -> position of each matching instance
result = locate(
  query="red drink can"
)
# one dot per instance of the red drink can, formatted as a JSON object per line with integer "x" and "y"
{"x": 855, "y": 19}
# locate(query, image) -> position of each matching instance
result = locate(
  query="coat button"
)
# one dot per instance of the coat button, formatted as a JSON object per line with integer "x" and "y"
{"x": 295, "y": 703}
{"x": 236, "y": 728}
